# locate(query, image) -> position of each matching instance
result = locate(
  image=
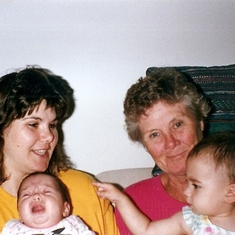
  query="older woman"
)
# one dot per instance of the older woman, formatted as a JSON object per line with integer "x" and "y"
{"x": 166, "y": 114}
{"x": 34, "y": 103}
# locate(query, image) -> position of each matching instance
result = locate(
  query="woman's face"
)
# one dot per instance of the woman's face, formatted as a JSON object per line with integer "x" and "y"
{"x": 169, "y": 132}
{"x": 30, "y": 141}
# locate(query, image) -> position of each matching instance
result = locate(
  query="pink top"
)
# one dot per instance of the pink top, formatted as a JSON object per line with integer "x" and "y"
{"x": 152, "y": 199}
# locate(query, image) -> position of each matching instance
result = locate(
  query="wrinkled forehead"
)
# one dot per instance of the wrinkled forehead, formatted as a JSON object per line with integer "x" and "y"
{"x": 39, "y": 180}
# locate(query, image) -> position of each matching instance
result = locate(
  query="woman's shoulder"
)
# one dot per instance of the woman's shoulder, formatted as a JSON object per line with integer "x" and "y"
{"x": 72, "y": 175}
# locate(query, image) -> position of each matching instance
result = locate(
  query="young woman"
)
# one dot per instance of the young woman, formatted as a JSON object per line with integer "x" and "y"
{"x": 34, "y": 103}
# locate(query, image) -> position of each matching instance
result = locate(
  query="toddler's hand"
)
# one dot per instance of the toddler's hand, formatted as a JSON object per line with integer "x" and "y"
{"x": 107, "y": 191}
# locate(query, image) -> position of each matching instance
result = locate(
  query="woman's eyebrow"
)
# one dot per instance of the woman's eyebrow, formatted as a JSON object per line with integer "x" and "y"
{"x": 32, "y": 117}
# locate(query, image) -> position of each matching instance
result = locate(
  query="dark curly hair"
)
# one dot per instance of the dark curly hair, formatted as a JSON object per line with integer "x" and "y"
{"x": 23, "y": 91}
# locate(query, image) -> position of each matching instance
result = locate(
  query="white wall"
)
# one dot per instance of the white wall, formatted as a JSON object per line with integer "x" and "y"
{"x": 101, "y": 48}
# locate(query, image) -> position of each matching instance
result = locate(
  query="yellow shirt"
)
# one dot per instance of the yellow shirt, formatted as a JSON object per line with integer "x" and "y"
{"x": 95, "y": 212}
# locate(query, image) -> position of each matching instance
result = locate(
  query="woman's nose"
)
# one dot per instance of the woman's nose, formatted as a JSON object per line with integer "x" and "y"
{"x": 171, "y": 141}
{"x": 47, "y": 136}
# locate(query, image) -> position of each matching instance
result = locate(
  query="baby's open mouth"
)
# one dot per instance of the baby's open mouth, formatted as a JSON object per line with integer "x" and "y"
{"x": 38, "y": 208}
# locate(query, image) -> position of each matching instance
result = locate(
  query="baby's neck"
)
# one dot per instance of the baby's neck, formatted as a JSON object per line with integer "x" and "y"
{"x": 225, "y": 221}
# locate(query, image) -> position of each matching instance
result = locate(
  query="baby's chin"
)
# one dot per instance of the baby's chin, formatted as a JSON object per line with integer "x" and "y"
{"x": 39, "y": 222}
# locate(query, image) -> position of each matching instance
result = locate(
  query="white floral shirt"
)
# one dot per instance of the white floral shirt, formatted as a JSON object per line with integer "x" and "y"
{"x": 71, "y": 225}
{"x": 201, "y": 225}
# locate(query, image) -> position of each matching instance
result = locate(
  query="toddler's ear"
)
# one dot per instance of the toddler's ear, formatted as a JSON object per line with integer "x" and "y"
{"x": 230, "y": 196}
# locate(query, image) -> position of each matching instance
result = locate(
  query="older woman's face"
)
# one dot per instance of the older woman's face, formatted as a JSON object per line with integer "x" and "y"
{"x": 30, "y": 141}
{"x": 169, "y": 132}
